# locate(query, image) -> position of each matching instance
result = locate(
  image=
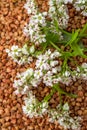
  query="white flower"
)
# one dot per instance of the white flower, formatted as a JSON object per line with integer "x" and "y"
{"x": 84, "y": 76}
{"x": 25, "y": 50}
{"x": 42, "y": 61}
{"x": 52, "y": 9}
{"x": 51, "y": 3}
{"x": 31, "y": 7}
{"x": 81, "y": 5}
{"x": 55, "y": 54}
{"x": 30, "y": 72}
{"x": 20, "y": 55}
{"x": 38, "y": 74}
{"x": 44, "y": 106}
{"x": 66, "y": 107}
{"x": 25, "y": 89}
{"x": 47, "y": 79}
{"x": 66, "y": 73}
{"x": 7, "y": 50}
{"x": 56, "y": 80}
{"x": 84, "y": 13}
{"x": 32, "y": 107}
{"x": 47, "y": 54}
{"x": 63, "y": 118}
{"x": 34, "y": 28}
{"x": 78, "y": 69}
{"x": 58, "y": 11}
{"x": 66, "y": 80}
{"x": 14, "y": 48}
{"x": 84, "y": 65}
{"x": 55, "y": 70}
{"x": 23, "y": 81}
{"x": 53, "y": 63}
{"x": 17, "y": 83}
{"x": 32, "y": 49}
{"x": 44, "y": 13}
{"x": 35, "y": 82}
{"x": 68, "y": 1}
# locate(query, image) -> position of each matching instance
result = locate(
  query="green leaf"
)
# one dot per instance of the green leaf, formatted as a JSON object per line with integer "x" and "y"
{"x": 82, "y": 32}
{"x": 82, "y": 36}
{"x": 78, "y": 51}
{"x": 52, "y": 37}
{"x": 37, "y": 53}
{"x": 73, "y": 38}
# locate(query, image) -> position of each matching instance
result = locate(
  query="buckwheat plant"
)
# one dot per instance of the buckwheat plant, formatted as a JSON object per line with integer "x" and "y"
{"x": 34, "y": 28}
{"x": 46, "y": 69}
{"x": 31, "y": 7}
{"x": 22, "y": 82}
{"x": 61, "y": 115}
{"x": 58, "y": 10}
{"x": 81, "y": 5}
{"x": 36, "y": 23}
{"x": 47, "y": 35}
{"x": 33, "y": 107}
{"x": 82, "y": 71}
{"x": 21, "y": 55}
{"x": 67, "y": 1}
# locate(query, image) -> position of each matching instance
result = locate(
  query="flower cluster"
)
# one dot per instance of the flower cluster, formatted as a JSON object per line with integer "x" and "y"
{"x": 79, "y": 73}
{"x": 31, "y": 7}
{"x": 82, "y": 71}
{"x": 56, "y": 31}
{"x": 23, "y": 81}
{"x": 48, "y": 64}
{"x": 34, "y": 28}
{"x": 81, "y": 5}
{"x": 61, "y": 115}
{"x": 21, "y": 55}
{"x": 33, "y": 107}
{"x": 58, "y": 10}
{"x": 48, "y": 69}
{"x": 67, "y": 1}
{"x": 45, "y": 70}
{"x": 66, "y": 78}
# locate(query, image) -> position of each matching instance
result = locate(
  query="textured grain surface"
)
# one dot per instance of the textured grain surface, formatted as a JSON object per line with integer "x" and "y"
{"x": 12, "y": 20}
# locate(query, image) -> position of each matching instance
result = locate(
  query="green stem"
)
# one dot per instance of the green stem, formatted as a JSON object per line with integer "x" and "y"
{"x": 44, "y": 47}
{"x": 55, "y": 46}
{"x": 81, "y": 33}
{"x": 64, "y": 66}
{"x": 61, "y": 101}
{"x": 56, "y": 86}
{"x": 48, "y": 97}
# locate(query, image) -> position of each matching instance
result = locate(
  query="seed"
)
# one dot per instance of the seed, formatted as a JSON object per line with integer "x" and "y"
{"x": 80, "y": 112}
{"x": 80, "y": 93}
